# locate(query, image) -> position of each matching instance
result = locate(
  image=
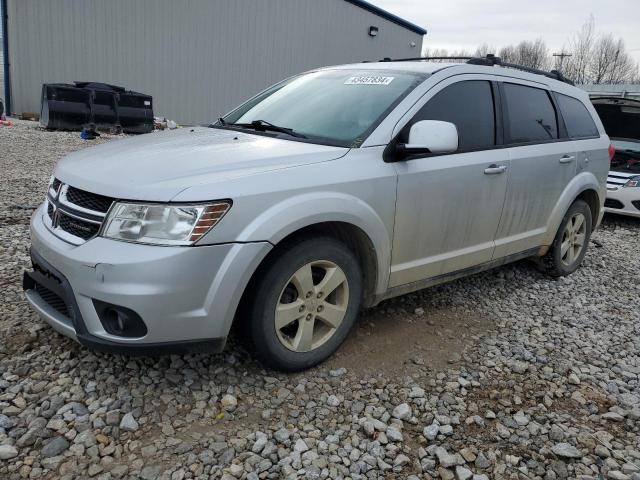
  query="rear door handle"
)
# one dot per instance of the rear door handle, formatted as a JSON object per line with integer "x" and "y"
{"x": 567, "y": 159}
{"x": 495, "y": 169}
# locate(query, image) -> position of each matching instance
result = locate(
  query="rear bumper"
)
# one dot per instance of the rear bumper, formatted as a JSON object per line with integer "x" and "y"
{"x": 186, "y": 296}
{"x": 623, "y": 201}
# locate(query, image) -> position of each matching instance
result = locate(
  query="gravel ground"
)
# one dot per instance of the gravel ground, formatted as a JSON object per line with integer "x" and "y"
{"x": 506, "y": 374}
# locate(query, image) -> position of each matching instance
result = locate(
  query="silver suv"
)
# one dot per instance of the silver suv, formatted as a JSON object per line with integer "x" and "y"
{"x": 328, "y": 192}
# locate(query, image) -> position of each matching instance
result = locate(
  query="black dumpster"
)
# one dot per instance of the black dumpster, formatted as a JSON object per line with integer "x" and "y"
{"x": 98, "y": 105}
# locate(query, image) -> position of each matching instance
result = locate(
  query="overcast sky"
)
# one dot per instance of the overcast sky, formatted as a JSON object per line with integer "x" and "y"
{"x": 456, "y": 24}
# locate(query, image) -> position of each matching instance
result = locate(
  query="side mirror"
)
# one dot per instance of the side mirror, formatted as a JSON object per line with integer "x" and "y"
{"x": 430, "y": 136}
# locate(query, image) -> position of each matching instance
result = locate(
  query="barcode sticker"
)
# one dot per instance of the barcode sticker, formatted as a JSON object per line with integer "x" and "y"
{"x": 369, "y": 80}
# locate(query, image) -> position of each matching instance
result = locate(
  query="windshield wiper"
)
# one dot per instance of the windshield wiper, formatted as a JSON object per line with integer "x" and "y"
{"x": 263, "y": 126}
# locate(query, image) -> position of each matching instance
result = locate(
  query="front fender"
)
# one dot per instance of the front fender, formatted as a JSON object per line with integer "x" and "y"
{"x": 304, "y": 210}
{"x": 580, "y": 183}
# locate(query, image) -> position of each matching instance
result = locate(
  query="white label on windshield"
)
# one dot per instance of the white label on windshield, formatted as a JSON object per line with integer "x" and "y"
{"x": 369, "y": 80}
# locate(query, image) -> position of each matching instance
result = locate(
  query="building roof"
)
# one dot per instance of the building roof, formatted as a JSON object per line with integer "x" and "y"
{"x": 388, "y": 16}
{"x": 630, "y": 90}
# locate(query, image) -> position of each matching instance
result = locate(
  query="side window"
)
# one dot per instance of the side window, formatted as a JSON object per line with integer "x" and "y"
{"x": 469, "y": 106}
{"x": 531, "y": 116}
{"x": 576, "y": 117}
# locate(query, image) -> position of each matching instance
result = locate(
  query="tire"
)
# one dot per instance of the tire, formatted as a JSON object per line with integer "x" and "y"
{"x": 559, "y": 263}
{"x": 284, "y": 284}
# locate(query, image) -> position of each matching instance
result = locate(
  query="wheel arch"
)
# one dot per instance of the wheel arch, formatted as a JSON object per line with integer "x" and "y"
{"x": 338, "y": 215}
{"x": 591, "y": 198}
{"x": 584, "y": 186}
{"x": 352, "y": 236}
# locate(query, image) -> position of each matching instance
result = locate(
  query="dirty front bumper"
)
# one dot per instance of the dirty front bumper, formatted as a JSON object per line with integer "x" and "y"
{"x": 185, "y": 296}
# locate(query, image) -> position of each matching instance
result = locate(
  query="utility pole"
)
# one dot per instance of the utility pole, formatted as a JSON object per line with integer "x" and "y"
{"x": 562, "y": 56}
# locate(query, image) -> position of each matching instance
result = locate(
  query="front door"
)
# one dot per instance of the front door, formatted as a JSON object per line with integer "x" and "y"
{"x": 448, "y": 206}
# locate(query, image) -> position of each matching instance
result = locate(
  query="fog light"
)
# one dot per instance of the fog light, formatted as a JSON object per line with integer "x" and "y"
{"x": 120, "y": 321}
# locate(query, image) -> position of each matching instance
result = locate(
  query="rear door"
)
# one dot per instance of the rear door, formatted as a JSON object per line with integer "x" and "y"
{"x": 592, "y": 152}
{"x": 448, "y": 206}
{"x": 543, "y": 162}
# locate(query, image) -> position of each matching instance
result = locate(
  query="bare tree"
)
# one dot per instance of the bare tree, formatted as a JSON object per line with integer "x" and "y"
{"x": 484, "y": 50}
{"x": 530, "y": 54}
{"x": 443, "y": 52}
{"x": 581, "y": 46}
{"x": 623, "y": 68}
{"x": 599, "y": 58}
{"x": 591, "y": 57}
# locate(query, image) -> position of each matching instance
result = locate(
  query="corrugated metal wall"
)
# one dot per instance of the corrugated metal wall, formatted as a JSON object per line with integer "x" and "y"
{"x": 198, "y": 58}
{"x": 1, "y": 57}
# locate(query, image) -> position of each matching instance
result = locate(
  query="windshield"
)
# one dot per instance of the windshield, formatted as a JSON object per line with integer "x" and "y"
{"x": 335, "y": 107}
{"x": 626, "y": 144}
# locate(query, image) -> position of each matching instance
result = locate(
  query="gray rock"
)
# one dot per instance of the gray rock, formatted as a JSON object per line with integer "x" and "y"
{"x": 566, "y": 450}
{"x": 54, "y": 447}
{"x": 5, "y": 422}
{"x": 150, "y": 472}
{"x": 402, "y": 412}
{"x": 300, "y": 446}
{"x": 7, "y": 452}
{"x": 282, "y": 435}
{"x": 463, "y": 473}
{"x": 394, "y": 434}
{"x": 431, "y": 432}
{"x": 260, "y": 443}
{"x": 229, "y": 403}
{"x": 128, "y": 423}
{"x": 448, "y": 460}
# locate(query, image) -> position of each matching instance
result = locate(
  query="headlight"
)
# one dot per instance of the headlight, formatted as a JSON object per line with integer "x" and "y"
{"x": 162, "y": 224}
{"x": 633, "y": 182}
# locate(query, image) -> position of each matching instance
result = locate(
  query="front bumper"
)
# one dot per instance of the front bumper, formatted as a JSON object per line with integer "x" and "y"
{"x": 186, "y": 296}
{"x": 623, "y": 201}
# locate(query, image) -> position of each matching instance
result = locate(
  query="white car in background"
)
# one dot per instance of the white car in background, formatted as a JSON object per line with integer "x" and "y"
{"x": 621, "y": 119}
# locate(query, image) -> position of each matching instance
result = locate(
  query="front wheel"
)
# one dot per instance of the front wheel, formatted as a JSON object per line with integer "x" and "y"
{"x": 571, "y": 241}
{"x": 304, "y": 304}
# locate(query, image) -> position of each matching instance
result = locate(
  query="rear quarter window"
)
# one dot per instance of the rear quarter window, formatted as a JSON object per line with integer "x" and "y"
{"x": 576, "y": 117}
{"x": 531, "y": 116}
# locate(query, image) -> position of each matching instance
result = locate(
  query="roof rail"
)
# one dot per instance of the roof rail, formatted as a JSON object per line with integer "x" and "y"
{"x": 490, "y": 60}
{"x": 415, "y": 59}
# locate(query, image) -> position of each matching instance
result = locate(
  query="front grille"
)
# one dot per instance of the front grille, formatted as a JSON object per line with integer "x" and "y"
{"x": 636, "y": 203}
{"x": 612, "y": 203}
{"x": 53, "y": 300}
{"x": 75, "y": 215}
{"x": 76, "y": 227}
{"x": 90, "y": 201}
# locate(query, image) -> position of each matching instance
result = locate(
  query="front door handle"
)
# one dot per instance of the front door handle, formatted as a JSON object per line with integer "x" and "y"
{"x": 567, "y": 159}
{"x": 495, "y": 169}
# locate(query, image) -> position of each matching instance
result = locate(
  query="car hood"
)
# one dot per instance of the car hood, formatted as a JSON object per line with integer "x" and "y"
{"x": 620, "y": 116}
{"x": 158, "y": 166}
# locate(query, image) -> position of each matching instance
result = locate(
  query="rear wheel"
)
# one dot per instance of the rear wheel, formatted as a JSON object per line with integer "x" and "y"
{"x": 305, "y": 302}
{"x": 571, "y": 241}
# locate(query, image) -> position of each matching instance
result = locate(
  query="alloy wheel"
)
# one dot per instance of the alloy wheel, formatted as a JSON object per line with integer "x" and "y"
{"x": 573, "y": 239}
{"x": 311, "y": 306}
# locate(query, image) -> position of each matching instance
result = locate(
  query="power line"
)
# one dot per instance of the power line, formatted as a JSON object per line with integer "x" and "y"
{"x": 562, "y": 56}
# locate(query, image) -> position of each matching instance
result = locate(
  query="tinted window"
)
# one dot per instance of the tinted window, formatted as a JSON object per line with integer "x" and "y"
{"x": 532, "y": 117}
{"x": 469, "y": 106}
{"x": 576, "y": 117}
